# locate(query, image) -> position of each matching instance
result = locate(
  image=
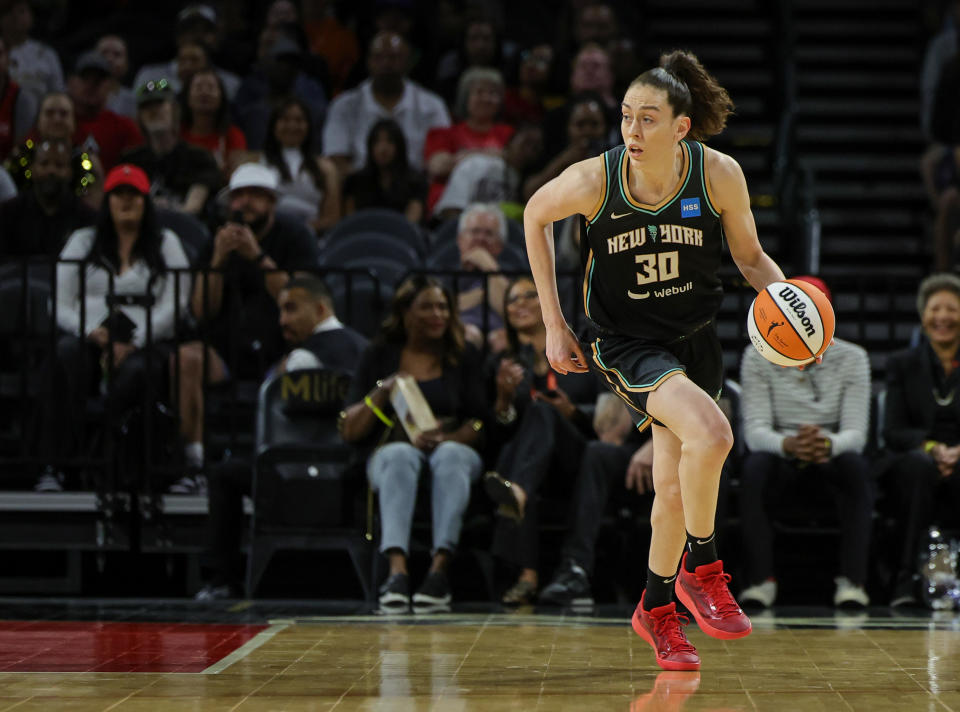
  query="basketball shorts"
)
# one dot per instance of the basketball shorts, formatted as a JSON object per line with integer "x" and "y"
{"x": 632, "y": 369}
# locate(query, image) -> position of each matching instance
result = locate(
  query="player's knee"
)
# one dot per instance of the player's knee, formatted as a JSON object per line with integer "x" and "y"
{"x": 716, "y": 439}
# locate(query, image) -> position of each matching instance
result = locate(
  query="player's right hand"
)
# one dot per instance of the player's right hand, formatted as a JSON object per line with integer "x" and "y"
{"x": 564, "y": 352}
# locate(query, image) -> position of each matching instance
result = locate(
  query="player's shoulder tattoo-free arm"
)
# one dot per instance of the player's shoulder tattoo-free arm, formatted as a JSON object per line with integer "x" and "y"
{"x": 577, "y": 189}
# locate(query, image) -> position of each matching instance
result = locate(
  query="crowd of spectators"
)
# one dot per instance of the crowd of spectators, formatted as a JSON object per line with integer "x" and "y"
{"x": 187, "y": 208}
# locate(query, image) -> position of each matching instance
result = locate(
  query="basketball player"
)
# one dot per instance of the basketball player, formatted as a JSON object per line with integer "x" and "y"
{"x": 654, "y": 213}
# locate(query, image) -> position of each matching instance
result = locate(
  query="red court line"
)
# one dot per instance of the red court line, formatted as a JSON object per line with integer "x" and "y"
{"x": 74, "y": 646}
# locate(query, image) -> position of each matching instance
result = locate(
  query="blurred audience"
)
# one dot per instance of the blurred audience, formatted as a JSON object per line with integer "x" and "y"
{"x": 386, "y": 94}
{"x": 38, "y": 220}
{"x": 33, "y": 65}
{"x": 56, "y": 122}
{"x": 309, "y": 188}
{"x": 182, "y": 177}
{"x": 332, "y": 40}
{"x": 618, "y": 465}
{"x": 547, "y": 421}
{"x": 525, "y": 101}
{"x": 18, "y": 108}
{"x": 120, "y": 98}
{"x": 205, "y": 121}
{"x": 98, "y": 129}
{"x": 105, "y": 347}
{"x": 479, "y": 97}
{"x": 192, "y": 56}
{"x": 196, "y": 26}
{"x": 487, "y": 178}
{"x": 277, "y": 75}
{"x": 387, "y": 180}
{"x": 422, "y": 338}
{"x": 480, "y": 47}
{"x": 587, "y": 128}
{"x": 806, "y": 431}
{"x": 591, "y": 73}
{"x": 921, "y": 429}
{"x": 244, "y": 268}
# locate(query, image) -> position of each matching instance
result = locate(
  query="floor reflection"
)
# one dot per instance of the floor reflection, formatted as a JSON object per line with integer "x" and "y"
{"x": 670, "y": 692}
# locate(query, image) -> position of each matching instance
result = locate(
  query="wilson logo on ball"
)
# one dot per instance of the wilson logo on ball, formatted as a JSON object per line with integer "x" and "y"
{"x": 793, "y": 301}
{"x": 790, "y": 323}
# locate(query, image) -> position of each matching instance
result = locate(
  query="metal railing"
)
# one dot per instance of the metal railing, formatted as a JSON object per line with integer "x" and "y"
{"x": 874, "y": 305}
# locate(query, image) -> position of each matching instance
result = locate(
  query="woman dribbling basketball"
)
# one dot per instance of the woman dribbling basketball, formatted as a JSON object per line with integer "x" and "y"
{"x": 654, "y": 215}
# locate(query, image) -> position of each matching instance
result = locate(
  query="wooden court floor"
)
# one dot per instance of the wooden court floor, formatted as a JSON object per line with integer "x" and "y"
{"x": 487, "y": 662}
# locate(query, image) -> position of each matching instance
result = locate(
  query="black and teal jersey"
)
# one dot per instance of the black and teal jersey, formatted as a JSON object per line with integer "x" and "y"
{"x": 650, "y": 271}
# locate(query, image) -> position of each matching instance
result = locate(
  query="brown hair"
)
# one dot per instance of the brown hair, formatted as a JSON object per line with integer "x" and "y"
{"x": 692, "y": 91}
{"x": 394, "y": 331}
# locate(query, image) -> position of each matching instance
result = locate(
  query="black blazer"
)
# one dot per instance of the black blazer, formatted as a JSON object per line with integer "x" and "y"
{"x": 337, "y": 349}
{"x": 910, "y": 407}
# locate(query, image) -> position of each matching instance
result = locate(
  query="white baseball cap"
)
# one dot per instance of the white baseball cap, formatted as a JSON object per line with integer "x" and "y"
{"x": 254, "y": 175}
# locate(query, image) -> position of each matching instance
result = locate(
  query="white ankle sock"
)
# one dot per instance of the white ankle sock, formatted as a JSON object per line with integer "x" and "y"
{"x": 193, "y": 454}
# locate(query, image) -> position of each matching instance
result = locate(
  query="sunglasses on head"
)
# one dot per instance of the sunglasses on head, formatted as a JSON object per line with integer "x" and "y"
{"x": 153, "y": 86}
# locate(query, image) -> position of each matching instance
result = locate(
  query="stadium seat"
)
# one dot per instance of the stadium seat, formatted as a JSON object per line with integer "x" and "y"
{"x": 302, "y": 499}
{"x": 384, "y": 222}
{"x": 361, "y": 302}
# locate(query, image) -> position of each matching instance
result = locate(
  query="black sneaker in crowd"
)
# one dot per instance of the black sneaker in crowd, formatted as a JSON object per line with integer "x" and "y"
{"x": 433, "y": 592}
{"x": 905, "y": 592}
{"x": 395, "y": 593}
{"x": 570, "y": 587}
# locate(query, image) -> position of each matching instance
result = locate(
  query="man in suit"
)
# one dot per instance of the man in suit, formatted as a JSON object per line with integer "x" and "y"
{"x": 318, "y": 340}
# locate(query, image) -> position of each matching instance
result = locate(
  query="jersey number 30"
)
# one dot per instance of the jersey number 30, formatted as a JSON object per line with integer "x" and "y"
{"x": 658, "y": 267}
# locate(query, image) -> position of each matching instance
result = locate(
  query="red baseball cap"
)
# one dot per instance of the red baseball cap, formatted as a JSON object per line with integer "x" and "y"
{"x": 127, "y": 174}
{"x": 818, "y": 283}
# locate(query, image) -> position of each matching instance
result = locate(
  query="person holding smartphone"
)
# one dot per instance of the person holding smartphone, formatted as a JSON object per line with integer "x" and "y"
{"x": 543, "y": 422}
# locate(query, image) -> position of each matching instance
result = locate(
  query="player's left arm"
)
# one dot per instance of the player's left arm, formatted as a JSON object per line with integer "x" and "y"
{"x": 729, "y": 195}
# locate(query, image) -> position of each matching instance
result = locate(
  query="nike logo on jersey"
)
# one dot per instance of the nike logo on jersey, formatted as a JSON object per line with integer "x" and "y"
{"x": 614, "y": 216}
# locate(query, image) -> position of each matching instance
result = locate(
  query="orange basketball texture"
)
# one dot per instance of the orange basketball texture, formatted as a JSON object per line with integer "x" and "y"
{"x": 791, "y": 323}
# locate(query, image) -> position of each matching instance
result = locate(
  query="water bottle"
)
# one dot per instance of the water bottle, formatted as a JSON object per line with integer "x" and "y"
{"x": 941, "y": 590}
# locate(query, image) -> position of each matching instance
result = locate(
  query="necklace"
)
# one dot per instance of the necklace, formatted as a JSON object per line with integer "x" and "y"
{"x": 943, "y": 401}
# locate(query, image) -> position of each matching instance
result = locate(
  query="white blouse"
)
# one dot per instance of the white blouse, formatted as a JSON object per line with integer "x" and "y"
{"x": 299, "y": 198}
{"x": 133, "y": 282}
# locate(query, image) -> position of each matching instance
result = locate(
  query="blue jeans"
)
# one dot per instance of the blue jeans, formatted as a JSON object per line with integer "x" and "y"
{"x": 394, "y": 471}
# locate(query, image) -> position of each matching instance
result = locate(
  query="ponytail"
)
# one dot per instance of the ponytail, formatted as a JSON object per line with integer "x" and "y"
{"x": 691, "y": 90}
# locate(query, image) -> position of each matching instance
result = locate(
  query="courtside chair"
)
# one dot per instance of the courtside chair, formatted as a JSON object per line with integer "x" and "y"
{"x": 301, "y": 496}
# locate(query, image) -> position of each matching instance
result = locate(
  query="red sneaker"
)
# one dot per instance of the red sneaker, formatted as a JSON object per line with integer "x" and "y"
{"x": 663, "y": 629}
{"x": 706, "y": 596}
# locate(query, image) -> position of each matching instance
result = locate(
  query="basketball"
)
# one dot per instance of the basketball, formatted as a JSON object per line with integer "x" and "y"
{"x": 791, "y": 323}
